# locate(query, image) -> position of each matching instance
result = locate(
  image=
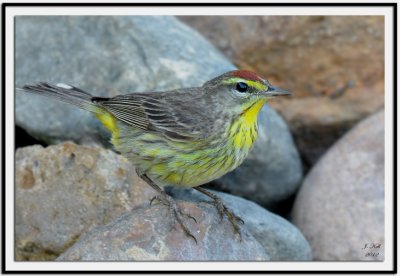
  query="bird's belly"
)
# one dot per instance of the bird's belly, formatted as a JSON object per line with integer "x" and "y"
{"x": 192, "y": 170}
{"x": 186, "y": 164}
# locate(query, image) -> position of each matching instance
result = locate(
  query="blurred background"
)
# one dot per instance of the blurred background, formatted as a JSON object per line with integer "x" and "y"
{"x": 333, "y": 64}
{"x": 318, "y": 163}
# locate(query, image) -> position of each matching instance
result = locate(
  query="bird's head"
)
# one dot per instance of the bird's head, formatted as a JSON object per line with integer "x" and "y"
{"x": 243, "y": 90}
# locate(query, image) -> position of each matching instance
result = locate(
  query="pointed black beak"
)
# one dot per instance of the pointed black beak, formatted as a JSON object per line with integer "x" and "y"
{"x": 276, "y": 91}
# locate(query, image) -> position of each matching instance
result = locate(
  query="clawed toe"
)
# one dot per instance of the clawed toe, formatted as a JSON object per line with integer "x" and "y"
{"x": 168, "y": 201}
{"x": 236, "y": 218}
{"x": 188, "y": 215}
{"x": 224, "y": 211}
{"x": 154, "y": 198}
{"x": 176, "y": 211}
{"x": 178, "y": 214}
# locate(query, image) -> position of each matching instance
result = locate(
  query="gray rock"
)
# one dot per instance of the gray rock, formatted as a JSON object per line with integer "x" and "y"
{"x": 282, "y": 240}
{"x": 150, "y": 234}
{"x": 340, "y": 206}
{"x": 64, "y": 190}
{"x": 114, "y": 55}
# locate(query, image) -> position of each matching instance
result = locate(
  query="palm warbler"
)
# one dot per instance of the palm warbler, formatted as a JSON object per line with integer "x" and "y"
{"x": 184, "y": 137}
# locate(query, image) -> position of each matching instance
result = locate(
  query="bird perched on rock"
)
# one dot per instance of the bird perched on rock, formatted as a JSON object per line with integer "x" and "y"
{"x": 182, "y": 138}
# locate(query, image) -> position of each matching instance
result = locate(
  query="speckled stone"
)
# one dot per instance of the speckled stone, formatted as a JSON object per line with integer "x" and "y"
{"x": 64, "y": 190}
{"x": 150, "y": 234}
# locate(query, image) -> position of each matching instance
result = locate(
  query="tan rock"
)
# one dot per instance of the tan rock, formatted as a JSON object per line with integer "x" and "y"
{"x": 340, "y": 206}
{"x": 64, "y": 190}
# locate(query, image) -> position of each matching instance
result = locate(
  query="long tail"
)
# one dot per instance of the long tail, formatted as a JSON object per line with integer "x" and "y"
{"x": 65, "y": 93}
{"x": 77, "y": 97}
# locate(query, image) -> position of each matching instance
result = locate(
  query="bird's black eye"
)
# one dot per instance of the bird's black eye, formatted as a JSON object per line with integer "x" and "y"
{"x": 241, "y": 87}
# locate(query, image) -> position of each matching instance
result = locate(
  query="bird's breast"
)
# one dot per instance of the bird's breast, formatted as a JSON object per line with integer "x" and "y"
{"x": 242, "y": 132}
{"x": 241, "y": 138}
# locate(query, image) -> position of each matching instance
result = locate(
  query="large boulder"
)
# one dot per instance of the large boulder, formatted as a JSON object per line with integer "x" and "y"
{"x": 87, "y": 201}
{"x": 280, "y": 239}
{"x": 64, "y": 190}
{"x": 340, "y": 206}
{"x": 114, "y": 55}
{"x": 150, "y": 233}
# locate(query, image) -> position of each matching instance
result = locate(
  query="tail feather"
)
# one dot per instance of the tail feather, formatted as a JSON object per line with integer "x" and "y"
{"x": 65, "y": 93}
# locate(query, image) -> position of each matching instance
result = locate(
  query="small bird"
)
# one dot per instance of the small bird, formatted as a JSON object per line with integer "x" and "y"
{"x": 182, "y": 138}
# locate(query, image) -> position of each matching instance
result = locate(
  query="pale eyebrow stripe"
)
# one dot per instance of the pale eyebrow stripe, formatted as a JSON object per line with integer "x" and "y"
{"x": 251, "y": 83}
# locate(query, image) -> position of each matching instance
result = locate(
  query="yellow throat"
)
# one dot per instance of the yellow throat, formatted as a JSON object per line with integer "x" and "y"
{"x": 243, "y": 131}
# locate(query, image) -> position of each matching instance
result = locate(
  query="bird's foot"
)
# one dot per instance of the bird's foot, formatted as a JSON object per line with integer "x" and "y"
{"x": 223, "y": 210}
{"x": 176, "y": 211}
{"x": 173, "y": 207}
{"x": 233, "y": 219}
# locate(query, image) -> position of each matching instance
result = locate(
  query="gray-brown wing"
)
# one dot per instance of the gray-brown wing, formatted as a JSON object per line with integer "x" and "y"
{"x": 154, "y": 112}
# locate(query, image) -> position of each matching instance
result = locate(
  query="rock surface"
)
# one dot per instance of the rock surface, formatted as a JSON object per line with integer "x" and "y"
{"x": 87, "y": 200}
{"x": 280, "y": 239}
{"x": 340, "y": 206}
{"x": 149, "y": 234}
{"x": 333, "y": 64}
{"x": 64, "y": 190}
{"x": 140, "y": 56}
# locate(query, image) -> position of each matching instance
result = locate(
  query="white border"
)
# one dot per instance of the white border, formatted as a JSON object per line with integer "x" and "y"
{"x": 189, "y": 266}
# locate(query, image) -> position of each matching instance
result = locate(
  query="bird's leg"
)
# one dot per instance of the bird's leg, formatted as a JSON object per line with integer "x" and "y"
{"x": 223, "y": 210}
{"x": 167, "y": 200}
